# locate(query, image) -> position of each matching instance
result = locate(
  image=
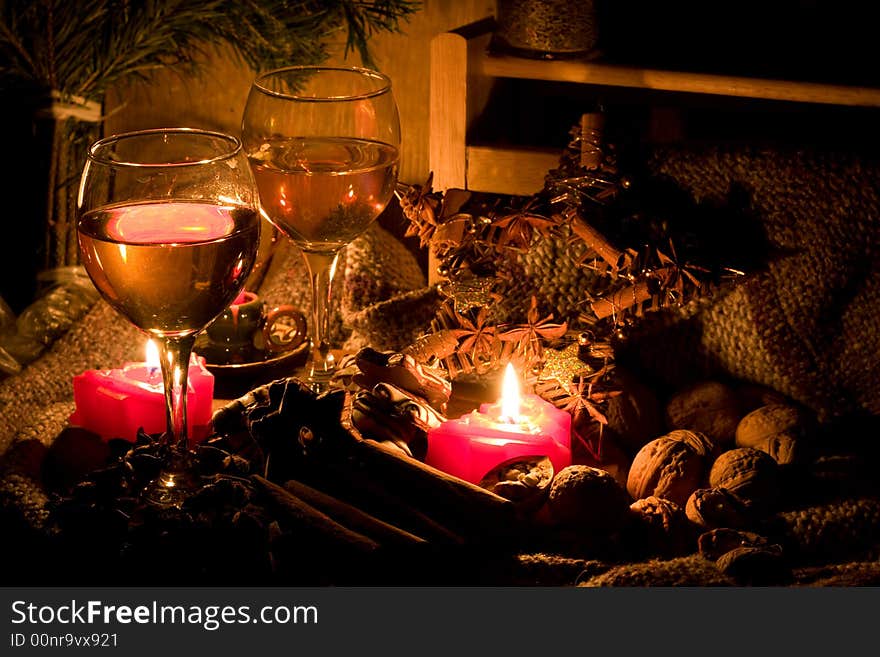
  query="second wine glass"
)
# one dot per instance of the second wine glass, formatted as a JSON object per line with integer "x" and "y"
{"x": 323, "y": 143}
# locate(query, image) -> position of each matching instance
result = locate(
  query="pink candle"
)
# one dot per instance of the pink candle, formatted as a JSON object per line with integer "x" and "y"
{"x": 116, "y": 403}
{"x": 517, "y": 425}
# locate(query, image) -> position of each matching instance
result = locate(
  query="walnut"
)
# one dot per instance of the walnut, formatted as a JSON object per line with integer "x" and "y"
{"x": 783, "y": 448}
{"x": 635, "y": 416}
{"x": 671, "y": 466}
{"x": 24, "y": 457}
{"x": 715, "y": 543}
{"x": 711, "y": 508}
{"x": 709, "y": 407}
{"x": 662, "y": 526}
{"x": 772, "y": 420}
{"x": 755, "y": 566}
{"x": 587, "y": 499}
{"x": 748, "y": 473}
{"x": 524, "y": 480}
{"x": 75, "y": 453}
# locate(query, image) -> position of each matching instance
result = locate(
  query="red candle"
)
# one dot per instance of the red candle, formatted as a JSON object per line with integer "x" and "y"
{"x": 517, "y": 425}
{"x": 116, "y": 403}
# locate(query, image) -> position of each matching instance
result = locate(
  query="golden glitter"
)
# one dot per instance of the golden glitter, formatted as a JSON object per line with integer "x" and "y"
{"x": 564, "y": 365}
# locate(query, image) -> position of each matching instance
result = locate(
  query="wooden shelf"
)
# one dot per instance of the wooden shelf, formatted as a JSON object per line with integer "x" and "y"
{"x": 597, "y": 73}
{"x": 463, "y": 71}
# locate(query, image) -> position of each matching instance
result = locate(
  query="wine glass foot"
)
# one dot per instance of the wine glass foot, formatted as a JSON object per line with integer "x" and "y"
{"x": 170, "y": 489}
{"x": 319, "y": 382}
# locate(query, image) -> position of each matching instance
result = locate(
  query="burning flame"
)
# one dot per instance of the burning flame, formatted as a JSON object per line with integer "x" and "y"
{"x": 510, "y": 396}
{"x": 152, "y": 355}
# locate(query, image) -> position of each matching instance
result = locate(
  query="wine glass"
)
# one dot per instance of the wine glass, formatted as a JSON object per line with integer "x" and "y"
{"x": 168, "y": 227}
{"x": 323, "y": 142}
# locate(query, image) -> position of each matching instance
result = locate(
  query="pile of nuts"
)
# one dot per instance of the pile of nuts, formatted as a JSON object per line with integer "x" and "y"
{"x": 705, "y": 471}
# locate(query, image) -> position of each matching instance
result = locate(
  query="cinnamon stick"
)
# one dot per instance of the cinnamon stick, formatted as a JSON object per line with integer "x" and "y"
{"x": 634, "y": 294}
{"x": 621, "y": 300}
{"x": 597, "y": 242}
{"x": 464, "y": 507}
{"x": 592, "y": 125}
{"x": 353, "y": 517}
{"x": 312, "y": 523}
{"x": 358, "y": 487}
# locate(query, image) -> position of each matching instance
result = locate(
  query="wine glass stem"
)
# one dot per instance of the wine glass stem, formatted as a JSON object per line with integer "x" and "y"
{"x": 175, "y": 368}
{"x": 322, "y": 269}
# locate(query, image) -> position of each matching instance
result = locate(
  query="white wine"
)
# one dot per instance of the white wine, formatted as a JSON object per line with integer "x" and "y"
{"x": 171, "y": 266}
{"x": 324, "y": 192}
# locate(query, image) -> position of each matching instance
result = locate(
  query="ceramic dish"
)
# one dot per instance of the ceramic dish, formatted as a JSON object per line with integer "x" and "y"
{"x": 235, "y": 379}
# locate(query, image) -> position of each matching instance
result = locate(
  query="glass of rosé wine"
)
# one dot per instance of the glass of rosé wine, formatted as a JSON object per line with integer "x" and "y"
{"x": 168, "y": 227}
{"x": 323, "y": 143}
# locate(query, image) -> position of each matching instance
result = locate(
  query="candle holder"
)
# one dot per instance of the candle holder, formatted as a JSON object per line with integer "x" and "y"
{"x": 517, "y": 425}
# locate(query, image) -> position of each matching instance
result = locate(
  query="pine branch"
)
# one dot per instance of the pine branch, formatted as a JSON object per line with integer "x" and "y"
{"x": 83, "y": 48}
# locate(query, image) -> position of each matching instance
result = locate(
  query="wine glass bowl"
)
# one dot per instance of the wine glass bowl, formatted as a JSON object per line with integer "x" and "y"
{"x": 168, "y": 228}
{"x": 323, "y": 143}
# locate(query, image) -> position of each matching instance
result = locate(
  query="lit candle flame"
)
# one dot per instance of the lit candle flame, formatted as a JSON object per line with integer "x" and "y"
{"x": 152, "y": 355}
{"x": 152, "y": 360}
{"x": 510, "y": 396}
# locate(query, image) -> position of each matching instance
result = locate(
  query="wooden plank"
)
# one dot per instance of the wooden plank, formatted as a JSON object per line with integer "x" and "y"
{"x": 509, "y": 171}
{"x": 447, "y": 105}
{"x": 597, "y": 73}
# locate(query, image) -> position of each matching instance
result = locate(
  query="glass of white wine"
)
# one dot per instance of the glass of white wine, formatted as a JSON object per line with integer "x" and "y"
{"x": 324, "y": 144}
{"x": 168, "y": 226}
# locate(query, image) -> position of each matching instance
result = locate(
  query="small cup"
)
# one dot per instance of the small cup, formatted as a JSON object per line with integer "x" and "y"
{"x": 250, "y": 331}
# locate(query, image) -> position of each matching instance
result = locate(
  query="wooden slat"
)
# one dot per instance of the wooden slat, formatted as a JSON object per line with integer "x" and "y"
{"x": 448, "y": 110}
{"x": 583, "y": 72}
{"x": 507, "y": 170}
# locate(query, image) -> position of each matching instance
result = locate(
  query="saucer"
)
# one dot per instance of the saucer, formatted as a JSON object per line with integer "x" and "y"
{"x": 235, "y": 379}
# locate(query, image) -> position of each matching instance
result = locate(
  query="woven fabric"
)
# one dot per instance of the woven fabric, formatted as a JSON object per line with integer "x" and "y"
{"x": 806, "y": 325}
{"x": 103, "y": 339}
{"x": 380, "y": 295}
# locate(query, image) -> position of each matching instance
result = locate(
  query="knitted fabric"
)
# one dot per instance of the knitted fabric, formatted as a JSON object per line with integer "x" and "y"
{"x": 835, "y": 530}
{"x": 103, "y": 339}
{"x": 380, "y": 294}
{"x": 692, "y": 570}
{"x": 807, "y": 325}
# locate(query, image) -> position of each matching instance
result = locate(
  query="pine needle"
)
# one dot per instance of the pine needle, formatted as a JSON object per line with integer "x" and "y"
{"x": 83, "y": 48}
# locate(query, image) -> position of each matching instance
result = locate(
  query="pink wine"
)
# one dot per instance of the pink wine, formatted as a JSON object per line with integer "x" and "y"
{"x": 170, "y": 267}
{"x": 324, "y": 192}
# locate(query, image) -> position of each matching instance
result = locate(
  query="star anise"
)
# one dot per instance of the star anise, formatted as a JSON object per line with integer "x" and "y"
{"x": 584, "y": 399}
{"x": 517, "y": 228}
{"x": 479, "y": 339}
{"x": 528, "y": 337}
{"x": 420, "y": 207}
{"x": 683, "y": 281}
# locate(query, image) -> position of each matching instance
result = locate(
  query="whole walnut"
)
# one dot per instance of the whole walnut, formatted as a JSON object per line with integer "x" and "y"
{"x": 772, "y": 420}
{"x": 716, "y": 542}
{"x": 755, "y": 566}
{"x": 586, "y": 499}
{"x": 709, "y": 407}
{"x": 662, "y": 526}
{"x": 634, "y": 416}
{"x": 711, "y": 508}
{"x": 783, "y": 448}
{"x": 671, "y": 466}
{"x": 748, "y": 473}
